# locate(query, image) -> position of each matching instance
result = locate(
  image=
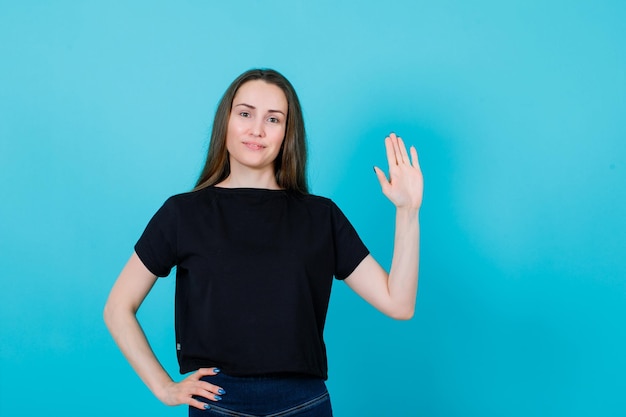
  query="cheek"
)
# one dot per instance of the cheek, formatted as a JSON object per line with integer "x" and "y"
{"x": 232, "y": 128}
{"x": 279, "y": 135}
{"x": 233, "y": 133}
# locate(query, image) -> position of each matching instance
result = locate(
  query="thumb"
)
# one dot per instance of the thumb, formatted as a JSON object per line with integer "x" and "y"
{"x": 382, "y": 178}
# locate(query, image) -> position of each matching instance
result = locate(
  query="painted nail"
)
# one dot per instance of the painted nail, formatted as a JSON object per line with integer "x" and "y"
{"x": 217, "y": 370}
{"x": 217, "y": 398}
{"x": 207, "y": 407}
{"x": 221, "y": 391}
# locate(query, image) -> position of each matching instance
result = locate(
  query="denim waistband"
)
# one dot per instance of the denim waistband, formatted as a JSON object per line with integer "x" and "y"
{"x": 266, "y": 395}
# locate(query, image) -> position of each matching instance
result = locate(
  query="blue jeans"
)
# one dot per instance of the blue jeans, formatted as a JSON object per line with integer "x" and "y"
{"x": 267, "y": 397}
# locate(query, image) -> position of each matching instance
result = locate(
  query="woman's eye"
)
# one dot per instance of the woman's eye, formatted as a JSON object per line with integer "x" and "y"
{"x": 244, "y": 114}
{"x": 273, "y": 120}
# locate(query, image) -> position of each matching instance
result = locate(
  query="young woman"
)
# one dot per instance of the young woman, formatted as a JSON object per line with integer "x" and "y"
{"x": 255, "y": 256}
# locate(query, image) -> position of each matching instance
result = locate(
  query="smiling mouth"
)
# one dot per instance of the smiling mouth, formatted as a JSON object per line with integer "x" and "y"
{"x": 254, "y": 146}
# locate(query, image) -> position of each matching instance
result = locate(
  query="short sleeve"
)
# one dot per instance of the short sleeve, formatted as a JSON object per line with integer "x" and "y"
{"x": 349, "y": 248}
{"x": 157, "y": 245}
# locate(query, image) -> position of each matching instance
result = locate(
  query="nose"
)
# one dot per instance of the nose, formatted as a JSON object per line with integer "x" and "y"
{"x": 257, "y": 128}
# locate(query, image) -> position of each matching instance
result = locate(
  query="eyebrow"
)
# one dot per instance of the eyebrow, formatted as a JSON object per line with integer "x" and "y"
{"x": 250, "y": 106}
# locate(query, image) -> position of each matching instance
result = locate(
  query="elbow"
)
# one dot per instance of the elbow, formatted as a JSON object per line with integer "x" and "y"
{"x": 402, "y": 315}
{"x": 402, "y": 310}
{"x": 116, "y": 314}
{"x": 110, "y": 314}
{"x": 107, "y": 315}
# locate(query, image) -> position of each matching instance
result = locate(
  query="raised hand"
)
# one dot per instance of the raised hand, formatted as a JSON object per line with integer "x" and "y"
{"x": 405, "y": 185}
{"x": 183, "y": 392}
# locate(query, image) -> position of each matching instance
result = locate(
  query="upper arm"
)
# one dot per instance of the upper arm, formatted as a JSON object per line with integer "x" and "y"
{"x": 370, "y": 281}
{"x": 131, "y": 287}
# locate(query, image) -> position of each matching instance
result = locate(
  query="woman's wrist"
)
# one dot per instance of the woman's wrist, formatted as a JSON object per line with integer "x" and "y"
{"x": 160, "y": 389}
{"x": 408, "y": 212}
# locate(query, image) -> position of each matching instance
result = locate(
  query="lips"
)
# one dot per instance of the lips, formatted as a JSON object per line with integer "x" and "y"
{"x": 254, "y": 146}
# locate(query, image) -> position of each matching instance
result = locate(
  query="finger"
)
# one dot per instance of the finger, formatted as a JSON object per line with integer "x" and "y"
{"x": 382, "y": 178}
{"x": 212, "y": 389}
{"x": 391, "y": 155}
{"x": 396, "y": 148}
{"x": 402, "y": 147}
{"x": 206, "y": 372}
{"x": 199, "y": 404}
{"x": 207, "y": 395}
{"x": 414, "y": 159}
{"x": 201, "y": 391}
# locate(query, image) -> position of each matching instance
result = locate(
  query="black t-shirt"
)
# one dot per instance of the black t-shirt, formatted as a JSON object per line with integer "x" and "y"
{"x": 254, "y": 270}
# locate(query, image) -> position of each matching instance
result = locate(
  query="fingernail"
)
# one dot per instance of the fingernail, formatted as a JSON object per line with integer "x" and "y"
{"x": 207, "y": 407}
{"x": 217, "y": 398}
{"x": 221, "y": 391}
{"x": 374, "y": 168}
{"x": 217, "y": 370}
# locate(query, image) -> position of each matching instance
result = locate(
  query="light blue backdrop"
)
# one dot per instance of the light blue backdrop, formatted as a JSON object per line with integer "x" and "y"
{"x": 518, "y": 110}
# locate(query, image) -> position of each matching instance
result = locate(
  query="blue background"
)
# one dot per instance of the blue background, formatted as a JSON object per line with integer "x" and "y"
{"x": 517, "y": 109}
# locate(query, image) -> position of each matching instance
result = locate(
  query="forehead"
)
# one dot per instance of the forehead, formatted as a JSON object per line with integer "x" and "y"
{"x": 261, "y": 95}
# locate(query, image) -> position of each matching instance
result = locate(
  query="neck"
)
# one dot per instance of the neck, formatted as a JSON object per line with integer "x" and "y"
{"x": 250, "y": 179}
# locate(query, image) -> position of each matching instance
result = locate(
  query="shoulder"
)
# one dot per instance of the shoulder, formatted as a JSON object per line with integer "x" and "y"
{"x": 189, "y": 198}
{"x": 184, "y": 204}
{"x": 322, "y": 205}
{"x": 315, "y": 201}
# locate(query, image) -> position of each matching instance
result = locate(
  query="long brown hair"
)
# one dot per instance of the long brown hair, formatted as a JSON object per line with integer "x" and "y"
{"x": 290, "y": 164}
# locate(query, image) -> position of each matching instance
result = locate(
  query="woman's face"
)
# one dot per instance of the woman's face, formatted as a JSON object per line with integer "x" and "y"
{"x": 256, "y": 126}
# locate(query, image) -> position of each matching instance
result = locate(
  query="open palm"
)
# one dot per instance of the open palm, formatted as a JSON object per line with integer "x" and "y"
{"x": 405, "y": 185}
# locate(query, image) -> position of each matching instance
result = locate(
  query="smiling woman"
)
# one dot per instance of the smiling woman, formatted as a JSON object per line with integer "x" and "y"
{"x": 290, "y": 163}
{"x": 255, "y": 256}
{"x": 255, "y": 134}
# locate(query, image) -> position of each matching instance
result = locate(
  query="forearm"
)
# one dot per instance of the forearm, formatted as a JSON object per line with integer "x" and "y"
{"x": 131, "y": 340}
{"x": 403, "y": 275}
{"x": 394, "y": 293}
